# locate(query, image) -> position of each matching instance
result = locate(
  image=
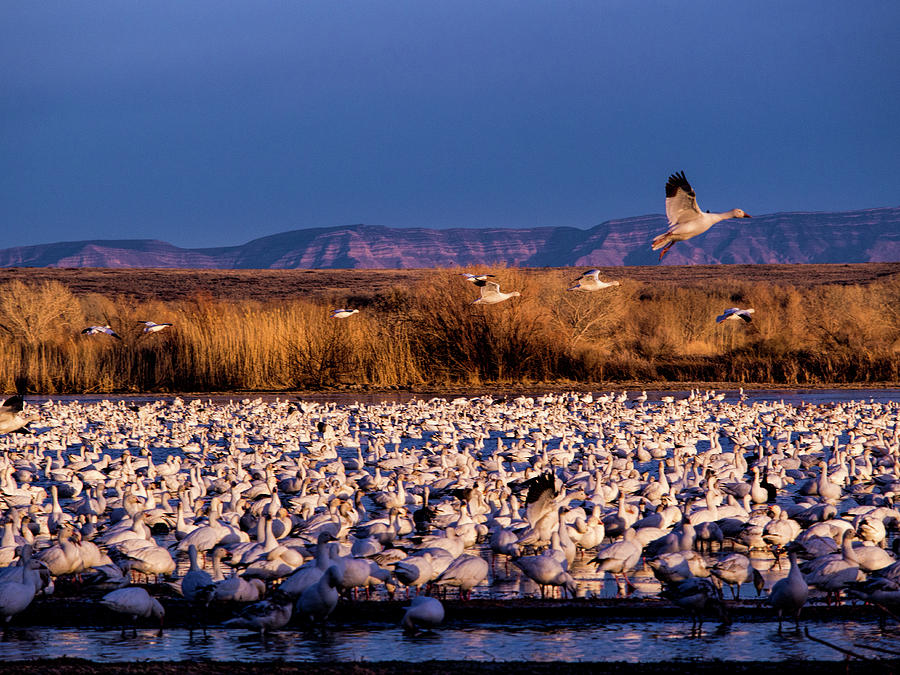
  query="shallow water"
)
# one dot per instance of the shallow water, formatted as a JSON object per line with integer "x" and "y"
{"x": 579, "y": 640}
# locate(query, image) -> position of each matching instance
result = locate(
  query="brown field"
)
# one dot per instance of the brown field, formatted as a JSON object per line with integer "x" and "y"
{"x": 265, "y": 285}
{"x": 269, "y": 330}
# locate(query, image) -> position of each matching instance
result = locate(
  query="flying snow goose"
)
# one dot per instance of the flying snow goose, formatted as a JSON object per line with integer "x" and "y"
{"x": 686, "y": 220}
{"x": 343, "y": 313}
{"x": 735, "y": 313}
{"x": 491, "y": 294}
{"x": 590, "y": 281}
{"x": 94, "y": 330}
{"x": 151, "y": 327}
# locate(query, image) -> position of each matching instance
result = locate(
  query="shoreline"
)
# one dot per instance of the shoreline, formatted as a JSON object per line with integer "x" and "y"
{"x": 490, "y": 390}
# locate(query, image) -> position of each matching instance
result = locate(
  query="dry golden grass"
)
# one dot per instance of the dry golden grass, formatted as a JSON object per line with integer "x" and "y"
{"x": 419, "y": 329}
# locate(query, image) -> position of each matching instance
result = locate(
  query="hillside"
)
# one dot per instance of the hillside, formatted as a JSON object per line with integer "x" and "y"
{"x": 871, "y": 235}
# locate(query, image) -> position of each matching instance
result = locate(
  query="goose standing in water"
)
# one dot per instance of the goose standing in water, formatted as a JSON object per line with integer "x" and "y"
{"x": 620, "y": 557}
{"x": 424, "y": 612}
{"x": 790, "y": 594}
{"x": 197, "y": 583}
{"x": 318, "y": 601}
{"x": 545, "y": 571}
{"x": 17, "y": 591}
{"x": 265, "y": 616}
{"x": 134, "y": 602}
{"x": 590, "y": 281}
{"x": 465, "y": 572}
{"x": 696, "y": 595}
{"x": 734, "y": 570}
{"x": 686, "y": 220}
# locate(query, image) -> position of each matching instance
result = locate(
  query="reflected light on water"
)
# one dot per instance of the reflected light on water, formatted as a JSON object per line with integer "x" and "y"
{"x": 554, "y": 641}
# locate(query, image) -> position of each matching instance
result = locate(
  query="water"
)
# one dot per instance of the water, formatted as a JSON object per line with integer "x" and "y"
{"x": 581, "y": 640}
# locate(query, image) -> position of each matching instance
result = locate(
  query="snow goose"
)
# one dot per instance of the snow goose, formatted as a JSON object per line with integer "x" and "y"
{"x": 686, "y": 220}
{"x": 17, "y": 590}
{"x": 310, "y": 573}
{"x": 415, "y": 570}
{"x": 197, "y": 583}
{"x": 491, "y": 294}
{"x": 465, "y": 572}
{"x": 11, "y": 418}
{"x": 95, "y": 330}
{"x": 735, "y": 314}
{"x": 318, "y": 601}
{"x": 790, "y": 594}
{"x": 734, "y": 570}
{"x": 424, "y": 612}
{"x": 265, "y": 616}
{"x": 343, "y": 313}
{"x": 545, "y": 571}
{"x": 590, "y": 281}
{"x": 620, "y": 557}
{"x": 151, "y": 327}
{"x": 833, "y": 573}
{"x": 696, "y": 595}
{"x": 134, "y": 602}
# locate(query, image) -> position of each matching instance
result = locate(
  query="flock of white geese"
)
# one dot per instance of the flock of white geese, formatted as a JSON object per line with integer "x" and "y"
{"x": 279, "y": 509}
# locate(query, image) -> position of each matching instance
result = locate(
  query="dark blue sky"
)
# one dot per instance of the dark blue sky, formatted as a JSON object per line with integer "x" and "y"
{"x": 212, "y": 123}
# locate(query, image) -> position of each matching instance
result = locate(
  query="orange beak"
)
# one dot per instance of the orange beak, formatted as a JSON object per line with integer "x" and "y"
{"x": 747, "y": 215}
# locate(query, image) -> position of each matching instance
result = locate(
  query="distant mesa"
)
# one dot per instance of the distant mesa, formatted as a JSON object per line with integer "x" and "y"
{"x": 871, "y": 235}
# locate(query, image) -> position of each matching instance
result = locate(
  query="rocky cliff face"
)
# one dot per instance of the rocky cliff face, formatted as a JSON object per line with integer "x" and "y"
{"x": 871, "y": 235}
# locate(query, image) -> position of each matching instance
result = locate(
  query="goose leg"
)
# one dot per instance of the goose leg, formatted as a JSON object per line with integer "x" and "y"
{"x": 665, "y": 250}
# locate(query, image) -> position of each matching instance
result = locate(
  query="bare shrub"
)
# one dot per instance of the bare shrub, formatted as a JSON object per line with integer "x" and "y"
{"x": 37, "y": 312}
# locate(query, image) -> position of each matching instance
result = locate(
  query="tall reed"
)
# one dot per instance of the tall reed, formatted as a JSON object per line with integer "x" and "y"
{"x": 432, "y": 335}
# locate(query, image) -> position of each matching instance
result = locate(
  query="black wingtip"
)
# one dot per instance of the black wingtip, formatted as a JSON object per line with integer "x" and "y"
{"x": 678, "y": 180}
{"x": 15, "y": 403}
{"x": 539, "y": 485}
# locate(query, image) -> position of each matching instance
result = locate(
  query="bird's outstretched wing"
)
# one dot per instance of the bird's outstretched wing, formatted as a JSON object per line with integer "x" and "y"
{"x": 726, "y": 314}
{"x": 13, "y": 404}
{"x": 490, "y": 289}
{"x": 681, "y": 201}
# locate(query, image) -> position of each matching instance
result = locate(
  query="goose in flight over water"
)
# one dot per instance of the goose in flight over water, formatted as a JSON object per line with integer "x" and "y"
{"x": 151, "y": 327}
{"x": 343, "y": 313}
{"x": 93, "y": 330}
{"x": 735, "y": 313}
{"x": 477, "y": 279}
{"x": 686, "y": 220}
{"x": 491, "y": 293}
{"x": 590, "y": 281}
